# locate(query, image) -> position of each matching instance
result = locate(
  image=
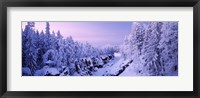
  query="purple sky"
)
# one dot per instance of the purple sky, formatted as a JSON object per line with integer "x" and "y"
{"x": 96, "y": 33}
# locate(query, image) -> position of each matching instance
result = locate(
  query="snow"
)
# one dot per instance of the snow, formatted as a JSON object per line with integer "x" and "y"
{"x": 26, "y": 71}
{"x": 113, "y": 67}
{"x": 41, "y": 72}
{"x": 130, "y": 71}
{"x": 117, "y": 54}
{"x": 150, "y": 49}
{"x": 46, "y": 70}
{"x": 52, "y": 71}
{"x": 50, "y": 62}
{"x": 65, "y": 72}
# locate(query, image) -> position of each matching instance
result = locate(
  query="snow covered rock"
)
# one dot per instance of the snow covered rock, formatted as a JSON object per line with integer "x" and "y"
{"x": 41, "y": 72}
{"x": 47, "y": 71}
{"x": 52, "y": 72}
{"x": 26, "y": 71}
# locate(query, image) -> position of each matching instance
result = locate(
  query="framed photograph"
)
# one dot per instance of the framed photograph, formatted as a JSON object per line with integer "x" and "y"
{"x": 85, "y": 48}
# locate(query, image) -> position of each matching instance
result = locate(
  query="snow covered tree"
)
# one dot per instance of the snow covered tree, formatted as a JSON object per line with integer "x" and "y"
{"x": 149, "y": 51}
{"x": 168, "y": 46}
{"x": 59, "y": 46}
{"x": 47, "y": 38}
{"x": 108, "y": 49}
{"x": 69, "y": 50}
{"x": 124, "y": 48}
{"x": 58, "y": 41}
{"x": 151, "y": 48}
{"x": 156, "y": 44}
{"x": 61, "y": 57}
{"x": 53, "y": 41}
{"x": 49, "y": 58}
{"x": 24, "y": 41}
{"x": 29, "y": 49}
{"x": 140, "y": 32}
{"x": 41, "y": 49}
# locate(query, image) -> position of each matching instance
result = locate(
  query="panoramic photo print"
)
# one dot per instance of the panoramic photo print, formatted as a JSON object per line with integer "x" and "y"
{"x": 99, "y": 48}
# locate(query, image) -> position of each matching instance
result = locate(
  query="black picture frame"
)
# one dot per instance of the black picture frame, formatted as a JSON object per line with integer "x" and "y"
{"x": 98, "y": 3}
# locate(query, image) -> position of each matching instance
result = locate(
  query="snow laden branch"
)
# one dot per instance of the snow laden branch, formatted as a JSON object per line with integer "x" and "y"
{"x": 151, "y": 49}
{"x": 47, "y": 53}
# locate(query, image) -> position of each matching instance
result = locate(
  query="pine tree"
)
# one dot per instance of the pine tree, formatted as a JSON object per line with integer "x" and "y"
{"x": 29, "y": 47}
{"x": 169, "y": 48}
{"x": 149, "y": 52}
{"x": 47, "y": 38}
{"x": 41, "y": 50}
{"x": 124, "y": 49}
{"x": 24, "y": 41}
{"x": 59, "y": 46}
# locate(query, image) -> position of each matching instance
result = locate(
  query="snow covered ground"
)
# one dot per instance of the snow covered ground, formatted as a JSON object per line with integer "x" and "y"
{"x": 150, "y": 49}
{"x": 114, "y": 68}
{"x": 117, "y": 66}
